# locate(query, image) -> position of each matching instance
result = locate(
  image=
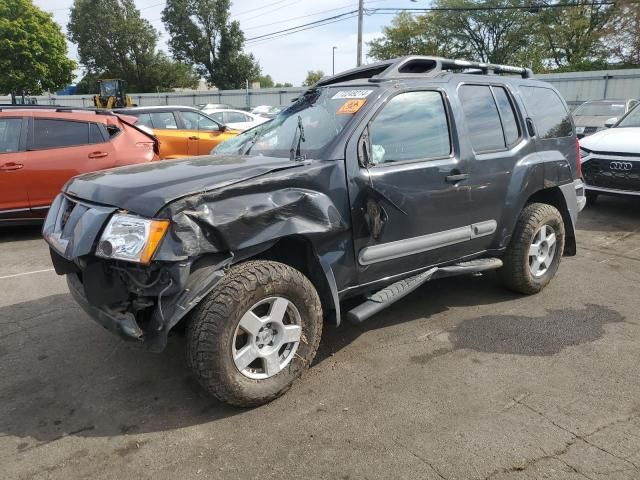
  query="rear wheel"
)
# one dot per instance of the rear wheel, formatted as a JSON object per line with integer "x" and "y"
{"x": 533, "y": 255}
{"x": 255, "y": 333}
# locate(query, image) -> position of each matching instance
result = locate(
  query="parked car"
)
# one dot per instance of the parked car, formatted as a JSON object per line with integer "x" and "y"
{"x": 42, "y": 148}
{"x": 591, "y": 116}
{"x": 612, "y": 159}
{"x": 266, "y": 111}
{"x": 210, "y": 106}
{"x": 236, "y": 119}
{"x": 363, "y": 186}
{"x": 181, "y": 131}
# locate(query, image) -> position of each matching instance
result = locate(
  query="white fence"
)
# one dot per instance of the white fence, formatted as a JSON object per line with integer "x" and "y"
{"x": 576, "y": 87}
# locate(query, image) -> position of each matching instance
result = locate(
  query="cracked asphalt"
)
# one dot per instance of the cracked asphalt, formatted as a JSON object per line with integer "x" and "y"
{"x": 461, "y": 380}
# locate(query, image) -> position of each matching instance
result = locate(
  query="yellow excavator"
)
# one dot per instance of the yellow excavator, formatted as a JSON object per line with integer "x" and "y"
{"x": 112, "y": 94}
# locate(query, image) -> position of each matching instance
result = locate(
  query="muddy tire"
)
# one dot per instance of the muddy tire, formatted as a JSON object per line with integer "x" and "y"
{"x": 255, "y": 333}
{"x": 533, "y": 255}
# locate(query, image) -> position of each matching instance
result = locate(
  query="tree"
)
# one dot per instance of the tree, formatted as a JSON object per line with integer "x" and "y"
{"x": 572, "y": 35}
{"x": 114, "y": 41}
{"x": 283, "y": 85}
{"x": 33, "y": 50}
{"x": 495, "y": 34}
{"x": 265, "y": 81}
{"x": 313, "y": 76}
{"x": 622, "y": 33}
{"x": 203, "y": 34}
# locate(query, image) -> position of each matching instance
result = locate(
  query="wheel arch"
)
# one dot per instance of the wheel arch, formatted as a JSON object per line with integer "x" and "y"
{"x": 555, "y": 197}
{"x": 298, "y": 252}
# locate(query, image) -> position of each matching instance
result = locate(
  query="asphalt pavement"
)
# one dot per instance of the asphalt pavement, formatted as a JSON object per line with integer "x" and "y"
{"x": 461, "y": 380}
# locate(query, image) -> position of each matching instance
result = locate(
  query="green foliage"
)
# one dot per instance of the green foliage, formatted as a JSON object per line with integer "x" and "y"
{"x": 497, "y": 36}
{"x": 313, "y": 76}
{"x": 283, "y": 85}
{"x": 33, "y": 50}
{"x": 541, "y": 38}
{"x": 202, "y": 33}
{"x": 115, "y": 42}
{"x": 265, "y": 81}
{"x": 622, "y": 33}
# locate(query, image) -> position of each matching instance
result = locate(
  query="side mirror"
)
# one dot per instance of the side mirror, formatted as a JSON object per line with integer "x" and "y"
{"x": 611, "y": 122}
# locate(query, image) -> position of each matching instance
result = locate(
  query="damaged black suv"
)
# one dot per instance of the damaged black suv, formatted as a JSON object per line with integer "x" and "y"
{"x": 370, "y": 184}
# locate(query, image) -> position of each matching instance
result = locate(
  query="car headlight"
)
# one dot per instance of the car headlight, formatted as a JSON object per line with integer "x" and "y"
{"x": 131, "y": 238}
{"x": 584, "y": 153}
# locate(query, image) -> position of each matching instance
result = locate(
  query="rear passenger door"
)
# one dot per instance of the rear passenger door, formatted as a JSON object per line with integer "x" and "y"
{"x": 493, "y": 132}
{"x": 14, "y": 201}
{"x": 173, "y": 141}
{"x": 60, "y": 149}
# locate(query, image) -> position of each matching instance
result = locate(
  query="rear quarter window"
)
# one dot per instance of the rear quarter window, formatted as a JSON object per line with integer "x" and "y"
{"x": 550, "y": 117}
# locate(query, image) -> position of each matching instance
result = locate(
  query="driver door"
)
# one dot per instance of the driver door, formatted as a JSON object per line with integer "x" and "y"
{"x": 410, "y": 205}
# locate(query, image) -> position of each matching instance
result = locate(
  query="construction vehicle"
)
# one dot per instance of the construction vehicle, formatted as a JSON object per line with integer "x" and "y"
{"x": 112, "y": 94}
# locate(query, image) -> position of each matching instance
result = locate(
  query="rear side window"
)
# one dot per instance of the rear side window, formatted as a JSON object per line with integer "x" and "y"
{"x": 235, "y": 117}
{"x": 163, "y": 121}
{"x": 550, "y": 117}
{"x": 218, "y": 116}
{"x": 144, "y": 120}
{"x": 95, "y": 134}
{"x": 411, "y": 126}
{"x": 59, "y": 133}
{"x": 482, "y": 118}
{"x": 507, "y": 115}
{"x": 10, "y": 134}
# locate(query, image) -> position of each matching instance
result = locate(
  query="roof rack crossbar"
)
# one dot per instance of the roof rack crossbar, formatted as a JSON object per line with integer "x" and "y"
{"x": 420, "y": 66}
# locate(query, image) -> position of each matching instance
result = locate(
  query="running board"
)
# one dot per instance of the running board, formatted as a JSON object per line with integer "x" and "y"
{"x": 394, "y": 292}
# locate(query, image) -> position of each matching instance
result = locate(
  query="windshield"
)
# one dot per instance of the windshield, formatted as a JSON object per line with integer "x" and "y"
{"x": 323, "y": 114}
{"x": 632, "y": 119}
{"x": 600, "y": 109}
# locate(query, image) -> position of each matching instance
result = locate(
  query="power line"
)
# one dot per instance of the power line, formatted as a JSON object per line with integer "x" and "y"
{"x": 303, "y": 25}
{"x": 342, "y": 19}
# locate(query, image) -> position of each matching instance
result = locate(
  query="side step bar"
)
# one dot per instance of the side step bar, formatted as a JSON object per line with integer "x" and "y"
{"x": 394, "y": 292}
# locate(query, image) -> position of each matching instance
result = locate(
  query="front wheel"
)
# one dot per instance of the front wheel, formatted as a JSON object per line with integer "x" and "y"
{"x": 533, "y": 255}
{"x": 255, "y": 333}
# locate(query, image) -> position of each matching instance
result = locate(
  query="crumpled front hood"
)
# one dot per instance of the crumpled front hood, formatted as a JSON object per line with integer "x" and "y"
{"x": 620, "y": 140}
{"x": 145, "y": 189}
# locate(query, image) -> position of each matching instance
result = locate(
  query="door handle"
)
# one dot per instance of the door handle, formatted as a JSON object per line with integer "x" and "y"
{"x": 7, "y": 167}
{"x": 456, "y": 177}
{"x": 97, "y": 154}
{"x": 193, "y": 138}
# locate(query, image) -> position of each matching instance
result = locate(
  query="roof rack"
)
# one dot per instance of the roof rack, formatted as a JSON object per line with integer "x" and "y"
{"x": 421, "y": 66}
{"x": 57, "y": 108}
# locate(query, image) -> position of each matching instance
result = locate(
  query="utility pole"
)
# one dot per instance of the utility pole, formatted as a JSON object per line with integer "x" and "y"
{"x": 333, "y": 61}
{"x": 360, "y": 15}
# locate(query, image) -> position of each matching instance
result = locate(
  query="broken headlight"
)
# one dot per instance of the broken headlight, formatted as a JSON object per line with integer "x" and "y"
{"x": 131, "y": 238}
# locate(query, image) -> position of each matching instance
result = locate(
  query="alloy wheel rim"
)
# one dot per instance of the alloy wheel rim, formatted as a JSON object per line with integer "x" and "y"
{"x": 542, "y": 250}
{"x": 267, "y": 338}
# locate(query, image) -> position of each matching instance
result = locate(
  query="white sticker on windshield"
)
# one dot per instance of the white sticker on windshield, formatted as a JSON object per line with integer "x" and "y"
{"x": 352, "y": 94}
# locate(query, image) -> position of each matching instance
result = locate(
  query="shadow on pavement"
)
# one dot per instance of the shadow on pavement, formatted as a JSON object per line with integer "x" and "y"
{"x": 20, "y": 233}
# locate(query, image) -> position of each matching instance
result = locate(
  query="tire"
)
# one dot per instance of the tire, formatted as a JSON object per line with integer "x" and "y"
{"x": 218, "y": 324}
{"x": 591, "y": 198}
{"x": 517, "y": 272}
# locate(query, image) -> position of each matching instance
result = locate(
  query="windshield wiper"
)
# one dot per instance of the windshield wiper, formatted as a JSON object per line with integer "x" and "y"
{"x": 251, "y": 143}
{"x": 294, "y": 153}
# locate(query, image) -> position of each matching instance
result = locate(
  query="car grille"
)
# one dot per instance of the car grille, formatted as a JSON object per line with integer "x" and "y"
{"x": 616, "y": 174}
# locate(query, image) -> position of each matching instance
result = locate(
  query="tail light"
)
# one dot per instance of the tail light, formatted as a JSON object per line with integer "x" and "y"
{"x": 579, "y": 160}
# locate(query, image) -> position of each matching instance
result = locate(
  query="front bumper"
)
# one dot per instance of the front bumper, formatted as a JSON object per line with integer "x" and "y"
{"x": 612, "y": 191}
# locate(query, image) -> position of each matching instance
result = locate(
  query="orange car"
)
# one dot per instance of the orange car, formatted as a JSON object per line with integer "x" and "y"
{"x": 181, "y": 131}
{"x": 41, "y": 148}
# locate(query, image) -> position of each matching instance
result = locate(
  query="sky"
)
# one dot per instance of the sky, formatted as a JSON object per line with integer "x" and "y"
{"x": 286, "y": 59}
